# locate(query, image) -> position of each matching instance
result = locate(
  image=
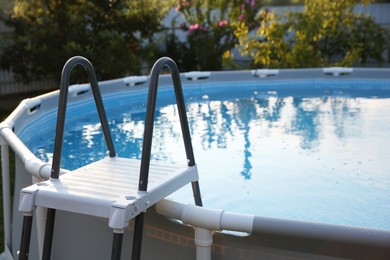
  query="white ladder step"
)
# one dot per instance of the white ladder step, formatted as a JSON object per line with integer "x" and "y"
{"x": 98, "y": 188}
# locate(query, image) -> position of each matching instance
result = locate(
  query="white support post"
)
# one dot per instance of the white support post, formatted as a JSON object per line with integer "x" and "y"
{"x": 40, "y": 215}
{"x": 206, "y": 221}
{"x": 5, "y": 169}
{"x": 203, "y": 242}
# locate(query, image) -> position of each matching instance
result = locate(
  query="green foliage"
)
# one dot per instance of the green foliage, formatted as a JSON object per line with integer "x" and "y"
{"x": 110, "y": 33}
{"x": 209, "y": 25}
{"x": 325, "y": 33}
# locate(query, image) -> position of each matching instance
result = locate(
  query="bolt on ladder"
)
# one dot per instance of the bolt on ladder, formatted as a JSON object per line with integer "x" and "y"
{"x": 123, "y": 198}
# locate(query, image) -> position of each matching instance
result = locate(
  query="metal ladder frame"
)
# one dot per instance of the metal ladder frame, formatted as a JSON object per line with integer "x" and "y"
{"x": 146, "y": 151}
{"x": 55, "y": 170}
{"x": 148, "y": 135}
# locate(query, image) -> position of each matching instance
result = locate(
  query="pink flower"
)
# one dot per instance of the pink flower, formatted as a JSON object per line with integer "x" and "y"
{"x": 242, "y": 6}
{"x": 222, "y": 23}
{"x": 252, "y": 3}
{"x": 241, "y": 17}
{"x": 194, "y": 27}
{"x": 177, "y": 8}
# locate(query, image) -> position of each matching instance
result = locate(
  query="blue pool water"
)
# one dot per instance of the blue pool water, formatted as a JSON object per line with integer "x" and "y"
{"x": 309, "y": 151}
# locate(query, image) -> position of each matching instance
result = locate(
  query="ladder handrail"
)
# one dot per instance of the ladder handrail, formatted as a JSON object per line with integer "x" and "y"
{"x": 150, "y": 111}
{"x": 147, "y": 142}
{"x": 64, "y": 85}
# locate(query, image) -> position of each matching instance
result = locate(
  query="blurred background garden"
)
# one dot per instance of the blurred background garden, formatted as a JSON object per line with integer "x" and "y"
{"x": 123, "y": 38}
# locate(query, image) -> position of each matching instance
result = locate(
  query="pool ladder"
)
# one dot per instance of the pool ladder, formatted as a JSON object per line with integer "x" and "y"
{"x": 77, "y": 192}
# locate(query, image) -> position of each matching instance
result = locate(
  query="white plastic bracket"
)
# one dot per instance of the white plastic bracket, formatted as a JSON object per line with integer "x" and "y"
{"x": 264, "y": 73}
{"x": 32, "y": 105}
{"x": 78, "y": 89}
{"x": 27, "y": 199}
{"x": 196, "y": 75}
{"x": 134, "y": 80}
{"x": 122, "y": 211}
{"x": 337, "y": 71}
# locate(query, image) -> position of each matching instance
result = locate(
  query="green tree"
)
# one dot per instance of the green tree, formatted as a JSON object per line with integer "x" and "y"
{"x": 210, "y": 31}
{"x": 325, "y": 33}
{"x": 115, "y": 35}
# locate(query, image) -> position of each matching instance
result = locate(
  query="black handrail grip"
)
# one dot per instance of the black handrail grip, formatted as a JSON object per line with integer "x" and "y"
{"x": 150, "y": 111}
{"x": 64, "y": 85}
{"x": 26, "y": 237}
{"x": 147, "y": 142}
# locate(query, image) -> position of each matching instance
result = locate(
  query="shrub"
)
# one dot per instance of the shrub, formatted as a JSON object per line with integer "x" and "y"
{"x": 209, "y": 27}
{"x": 110, "y": 33}
{"x": 325, "y": 33}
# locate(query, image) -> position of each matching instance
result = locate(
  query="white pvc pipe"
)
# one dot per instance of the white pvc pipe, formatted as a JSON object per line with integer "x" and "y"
{"x": 39, "y": 170}
{"x": 40, "y": 214}
{"x": 5, "y": 169}
{"x": 203, "y": 242}
{"x": 237, "y": 222}
{"x": 205, "y": 221}
{"x": 32, "y": 164}
{"x": 212, "y": 219}
{"x": 202, "y": 217}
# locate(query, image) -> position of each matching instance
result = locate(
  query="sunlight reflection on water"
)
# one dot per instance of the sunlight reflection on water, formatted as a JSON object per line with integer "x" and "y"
{"x": 320, "y": 158}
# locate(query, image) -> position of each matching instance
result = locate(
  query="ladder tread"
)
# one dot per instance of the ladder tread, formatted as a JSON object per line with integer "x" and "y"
{"x": 93, "y": 189}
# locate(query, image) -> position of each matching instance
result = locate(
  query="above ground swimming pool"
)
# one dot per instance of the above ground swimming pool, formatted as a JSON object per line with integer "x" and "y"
{"x": 306, "y": 149}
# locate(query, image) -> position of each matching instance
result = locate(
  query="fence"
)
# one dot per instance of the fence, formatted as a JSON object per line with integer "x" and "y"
{"x": 8, "y": 84}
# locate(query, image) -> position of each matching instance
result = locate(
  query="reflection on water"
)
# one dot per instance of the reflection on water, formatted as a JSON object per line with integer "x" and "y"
{"x": 312, "y": 158}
